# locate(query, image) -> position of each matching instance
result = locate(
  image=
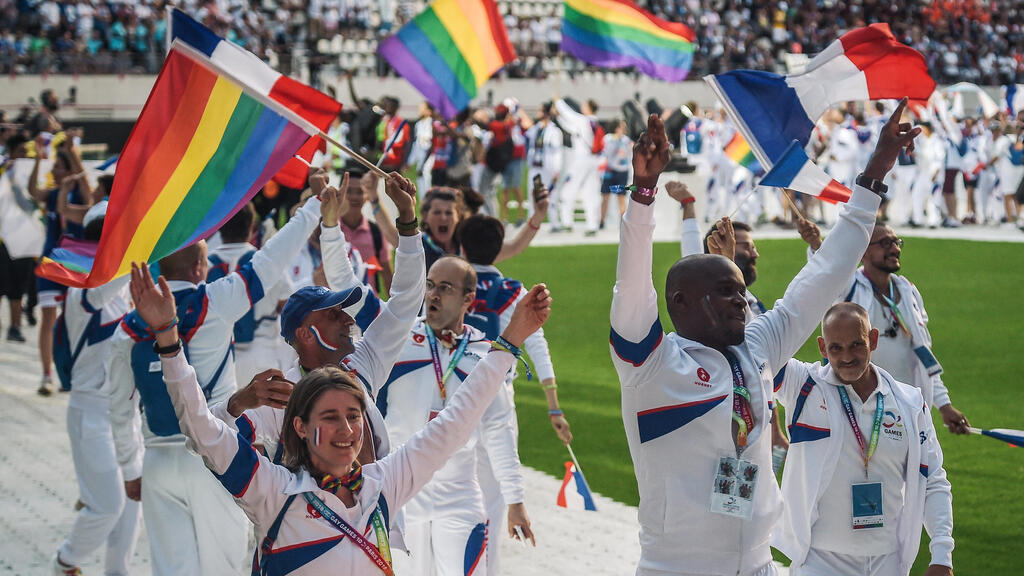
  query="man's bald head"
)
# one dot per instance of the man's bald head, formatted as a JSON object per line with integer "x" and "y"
{"x": 846, "y": 312}
{"x": 705, "y": 296}
{"x": 188, "y": 264}
{"x": 847, "y": 340}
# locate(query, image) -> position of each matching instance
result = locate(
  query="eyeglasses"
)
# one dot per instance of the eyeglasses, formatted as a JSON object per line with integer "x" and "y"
{"x": 444, "y": 289}
{"x": 887, "y": 243}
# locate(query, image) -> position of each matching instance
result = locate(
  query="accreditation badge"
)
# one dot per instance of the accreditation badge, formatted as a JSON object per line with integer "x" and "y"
{"x": 732, "y": 492}
{"x": 867, "y": 505}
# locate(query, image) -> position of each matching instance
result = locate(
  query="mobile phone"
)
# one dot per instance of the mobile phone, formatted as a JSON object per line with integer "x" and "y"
{"x": 538, "y": 186}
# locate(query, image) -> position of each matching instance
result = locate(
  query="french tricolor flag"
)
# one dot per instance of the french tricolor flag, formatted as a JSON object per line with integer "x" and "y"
{"x": 575, "y": 493}
{"x": 794, "y": 170}
{"x": 864, "y": 64}
{"x": 311, "y": 105}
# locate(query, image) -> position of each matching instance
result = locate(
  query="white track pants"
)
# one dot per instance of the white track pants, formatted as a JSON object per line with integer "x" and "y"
{"x": 824, "y": 563}
{"x": 583, "y": 182}
{"x": 194, "y": 525}
{"x": 107, "y": 516}
{"x": 444, "y": 546}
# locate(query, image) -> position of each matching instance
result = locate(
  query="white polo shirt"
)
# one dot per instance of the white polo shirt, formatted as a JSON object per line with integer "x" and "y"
{"x": 833, "y": 531}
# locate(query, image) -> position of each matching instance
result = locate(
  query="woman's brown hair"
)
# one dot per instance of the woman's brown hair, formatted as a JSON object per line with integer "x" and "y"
{"x": 304, "y": 396}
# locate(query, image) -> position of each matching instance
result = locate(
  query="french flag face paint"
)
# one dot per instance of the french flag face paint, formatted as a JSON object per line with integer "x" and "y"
{"x": 864, "y": 64}
{"x": 321, "y": 341}
{"x": 794, "y": 170}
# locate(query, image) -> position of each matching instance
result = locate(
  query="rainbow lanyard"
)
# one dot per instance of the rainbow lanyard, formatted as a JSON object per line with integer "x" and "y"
{"x": 380, "y": 554}
{"x": 869, "y": 450}
{"x": 890, "y": 301}
{"x": 435, "y": 356}
{"x": 742, "y": 415}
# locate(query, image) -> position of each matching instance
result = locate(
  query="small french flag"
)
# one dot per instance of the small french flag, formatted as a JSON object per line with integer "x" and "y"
{"x": 794, "y": 170}
{"x": 575, "y": 493}
{"x": 864, "y": 64}
{"x": 1011, "y": 437}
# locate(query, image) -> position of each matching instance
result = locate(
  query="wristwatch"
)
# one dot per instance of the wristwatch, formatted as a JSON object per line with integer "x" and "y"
{"x": 876, "y": 186}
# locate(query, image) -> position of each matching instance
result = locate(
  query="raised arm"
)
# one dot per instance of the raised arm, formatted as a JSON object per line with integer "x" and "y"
{"x": 527, "y": 233}
{"x": 413, "y": 464}
{"x": 691, "y": 242}
{"x": 570, "y": 119}
{"x": 635, "y": 327}
{"x": 780, "y": 332}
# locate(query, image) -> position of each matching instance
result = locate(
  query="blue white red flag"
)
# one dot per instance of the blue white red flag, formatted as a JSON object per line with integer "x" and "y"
{"x": 794, "y": 170}
{"x": 1011, "y": 437}
{"x": 575, "y": 493}
{"x": 864, "y": 64}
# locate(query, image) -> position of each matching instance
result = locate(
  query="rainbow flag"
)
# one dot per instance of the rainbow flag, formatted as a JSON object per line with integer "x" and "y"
{"x": 449, "y": 50}
{"x": 618, "y": 34}
{"x": 204, "y": 145}
{"x": 739, "y": 152}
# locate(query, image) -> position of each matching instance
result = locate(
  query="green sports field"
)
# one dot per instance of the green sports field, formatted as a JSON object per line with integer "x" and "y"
{"x": 974, "y": 292}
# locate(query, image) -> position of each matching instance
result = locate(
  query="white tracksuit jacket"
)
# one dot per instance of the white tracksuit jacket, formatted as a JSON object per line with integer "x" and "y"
{"x": 306, "y": 545}
{"x": 676, "y": 394}
{"x": 816, "y": 439}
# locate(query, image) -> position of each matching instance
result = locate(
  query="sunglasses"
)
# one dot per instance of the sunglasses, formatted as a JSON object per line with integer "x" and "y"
{"x": 887, "y": 243}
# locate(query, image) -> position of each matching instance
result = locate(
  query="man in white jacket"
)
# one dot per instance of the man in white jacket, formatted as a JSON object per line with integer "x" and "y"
{"x": 583, "y": 180}
{"x": 696, "y": 402}
{"x": 865, "y": 468}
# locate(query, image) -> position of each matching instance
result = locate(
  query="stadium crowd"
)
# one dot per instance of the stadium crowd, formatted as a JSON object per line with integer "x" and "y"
{"x": 980, "y": 42}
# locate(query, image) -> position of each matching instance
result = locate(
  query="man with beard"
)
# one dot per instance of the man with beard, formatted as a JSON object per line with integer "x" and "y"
{"x": 696, "y": 402}
{"x": 896, "y": 309}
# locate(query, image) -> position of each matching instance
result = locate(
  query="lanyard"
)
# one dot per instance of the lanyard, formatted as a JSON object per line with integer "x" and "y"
{"x": 890, "y": 301}
{"x": 435, "y": 356}
{"x": 381, "y": 557}
{"x": 742, "y": 415}
{"x": 869, "y": 450}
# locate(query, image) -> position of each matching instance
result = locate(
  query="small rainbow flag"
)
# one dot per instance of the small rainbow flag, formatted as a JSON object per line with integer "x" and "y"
{"x": 204, "y": 145}
{"x": 449, "y": 50}
{"x": 618, "y": 34}
{"x": 739, "y": 152}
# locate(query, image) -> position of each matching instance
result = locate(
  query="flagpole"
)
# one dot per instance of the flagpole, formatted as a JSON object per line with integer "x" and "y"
{"x": 369, "y": 165}
{"x": 744, "y": 201}
{"x": 391, "y": 143}
{"x": 574, "y": 460}
{"x": 792, "y": 204}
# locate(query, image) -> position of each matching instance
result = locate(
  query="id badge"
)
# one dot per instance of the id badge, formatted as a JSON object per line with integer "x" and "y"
{"x": 735, "y": 482}
{"x": 867, "y": 505}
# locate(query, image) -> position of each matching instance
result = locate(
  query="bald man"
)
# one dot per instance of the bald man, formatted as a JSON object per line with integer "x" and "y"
{"x": 865, "y": 468}
{"x": 696, "y": 402}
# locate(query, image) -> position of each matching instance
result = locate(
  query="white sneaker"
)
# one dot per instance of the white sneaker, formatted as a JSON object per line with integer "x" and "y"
{"x": 61, "y": 569}
{"x": 45, "y": 385}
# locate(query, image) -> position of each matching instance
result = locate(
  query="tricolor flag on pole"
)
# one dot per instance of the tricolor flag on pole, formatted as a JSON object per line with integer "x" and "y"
{"x": 1011, "y": 437}
{"x": 313, "y": 106}
{"x": 1013, "y": 98}
{"x": 575, "y": 493}
{"x": 864, "y": 64}
{"x": 794, "y": 170}
{"x": 207, "y": 140}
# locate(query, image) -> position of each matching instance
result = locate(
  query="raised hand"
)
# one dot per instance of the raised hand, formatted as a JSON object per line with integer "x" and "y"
{"x": 678, "y": 191}
{"x": 402, "y": 192}
{"x": 540, "y": 205}
{"x": 333, "y": 205}
{"x": 155, "y": 306}
{"x": 268, "y": 388}
{"x": 809, "y": 232}
{"x": 650, "y": 153}
{"x": 318, "y": 178}
{"x": 530, "y": 314}
{"x": 891, "y": 139}
{"x": 722, "y": 240}
{"x": 368, "y": 183}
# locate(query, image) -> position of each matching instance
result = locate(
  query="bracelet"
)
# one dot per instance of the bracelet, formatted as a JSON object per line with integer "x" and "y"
{"x": 173, "y": 349}
{"x": 645, "y": 192}
{"x": 689, "y": 200}
{"x": 549, "y": 387}
{"x": 407, "y": 226}
{"x": 500, "y": 343}
{"x": 553, "y": 413}
{"x": 532, "y": 227}
{"x": 169, "y": 325}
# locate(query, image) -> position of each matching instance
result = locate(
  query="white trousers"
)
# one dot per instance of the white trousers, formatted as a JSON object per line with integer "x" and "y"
{"x": 494, "y": 502}
{"x": 444, "y": 546}
{"x": 107, "y": 516}
{"x": 194, "y": 525}
{"x": 766, "y": 570}
{"x": 825, "y": 563}
{"x": 583, "y": 182}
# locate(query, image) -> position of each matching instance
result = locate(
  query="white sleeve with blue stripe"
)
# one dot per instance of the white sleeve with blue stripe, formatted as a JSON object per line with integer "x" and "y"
{"x": 938, "y": 499}
{"x": 337, "y": 266}
{"x": 233, "y": 295}
{"x": 636, "y": 329}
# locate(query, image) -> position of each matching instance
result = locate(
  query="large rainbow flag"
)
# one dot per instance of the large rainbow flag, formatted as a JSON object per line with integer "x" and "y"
{"x": 207, "y": 140}
{"x": 618, "y": 34}
{"x": 449, "y": 50}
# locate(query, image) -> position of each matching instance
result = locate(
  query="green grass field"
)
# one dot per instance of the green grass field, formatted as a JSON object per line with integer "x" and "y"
{"x": 972, "y": 291}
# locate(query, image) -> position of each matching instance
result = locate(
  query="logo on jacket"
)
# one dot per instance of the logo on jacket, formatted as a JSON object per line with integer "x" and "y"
{"x": 418, "y": 338}
{"x": 703, "y": 375}
{"x": 892, "y": 425}
{"x": 311, "y": 512}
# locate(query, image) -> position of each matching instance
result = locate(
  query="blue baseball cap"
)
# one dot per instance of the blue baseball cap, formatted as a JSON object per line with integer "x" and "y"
{"x": 312, "y": 298}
